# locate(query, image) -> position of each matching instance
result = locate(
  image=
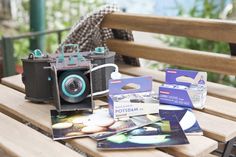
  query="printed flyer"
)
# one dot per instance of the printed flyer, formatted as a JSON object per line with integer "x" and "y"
{"x": 98, "y": 125}
{"x": 186, "y": 118}
{"x": 163, "y": 133}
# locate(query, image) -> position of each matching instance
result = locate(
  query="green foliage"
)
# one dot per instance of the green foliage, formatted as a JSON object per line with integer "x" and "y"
{"x": 59, "y": 14}
{"x": 202, "y": 9}
{"x": 21, "y": 49}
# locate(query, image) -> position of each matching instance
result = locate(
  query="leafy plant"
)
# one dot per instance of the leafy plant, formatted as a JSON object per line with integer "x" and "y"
{"x": 21, "y": 49}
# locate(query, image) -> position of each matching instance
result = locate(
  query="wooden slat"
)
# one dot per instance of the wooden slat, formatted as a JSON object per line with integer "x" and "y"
{"x": 215, "y": 89}
{"x": 186, "y": 150}
{"x": 14, "y": 82}
{"x": 219, "y": 63}
{"x": 211, "y": 29}
{"x": 216, "y": 127}
{"x": 211, "y": 155}
{"x": 3, "y": 153}
{"x": 88, "y": 145}
{"x": 11, "y": 96}
{"x": 220, "y": 107}
{"x": 193, "y": 151}
{"x": 215, "y": 106}
{"x": 19, "y": 140}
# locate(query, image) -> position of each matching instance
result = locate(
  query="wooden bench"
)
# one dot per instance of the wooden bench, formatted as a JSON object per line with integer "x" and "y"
{"x": 14, "y": 103}
{"x": 218, "y": 119}
{"x": 220, "y": 104}
{"x": 18, "y": 139}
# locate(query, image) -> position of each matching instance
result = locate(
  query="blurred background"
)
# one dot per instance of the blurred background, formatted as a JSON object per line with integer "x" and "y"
{"x": 19, "y": 17}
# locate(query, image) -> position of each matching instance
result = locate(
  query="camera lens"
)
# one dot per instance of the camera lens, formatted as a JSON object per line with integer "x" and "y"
{"x": 73, "y": 86}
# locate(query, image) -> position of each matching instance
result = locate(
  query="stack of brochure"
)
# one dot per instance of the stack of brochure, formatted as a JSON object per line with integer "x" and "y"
{"x": 146, "y": 131}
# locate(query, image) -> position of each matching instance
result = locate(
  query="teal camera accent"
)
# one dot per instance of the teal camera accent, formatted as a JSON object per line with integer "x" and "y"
{"x": 38, "y": 53}
{"x": 71, "y": 95}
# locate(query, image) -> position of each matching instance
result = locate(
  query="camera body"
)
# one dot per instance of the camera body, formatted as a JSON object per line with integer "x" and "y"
{"x": 66, "y": 79}
{"x": 37, "y": 80}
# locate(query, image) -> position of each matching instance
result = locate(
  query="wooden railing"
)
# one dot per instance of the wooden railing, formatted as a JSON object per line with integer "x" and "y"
{"x": 217, "y": 30}
{"x": 211, "y": 29}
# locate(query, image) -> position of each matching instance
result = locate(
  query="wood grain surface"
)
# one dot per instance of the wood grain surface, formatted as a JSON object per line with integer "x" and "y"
{"x": 211, "y": 29}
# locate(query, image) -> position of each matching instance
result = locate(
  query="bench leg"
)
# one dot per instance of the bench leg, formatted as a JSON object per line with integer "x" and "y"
{"x": 228, "y": 148}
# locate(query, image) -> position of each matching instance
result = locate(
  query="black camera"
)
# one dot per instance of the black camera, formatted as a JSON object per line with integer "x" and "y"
{"x": 70, "y": 80}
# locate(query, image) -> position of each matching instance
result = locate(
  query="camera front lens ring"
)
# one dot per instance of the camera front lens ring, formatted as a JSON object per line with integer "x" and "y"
{"x": 73, "y": 86}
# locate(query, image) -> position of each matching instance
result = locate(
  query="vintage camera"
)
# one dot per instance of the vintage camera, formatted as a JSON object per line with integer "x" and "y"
{"x": 69, "y": 80}
{"x": 100, "y": 56}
